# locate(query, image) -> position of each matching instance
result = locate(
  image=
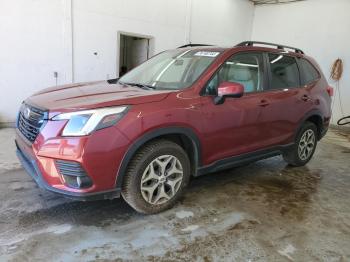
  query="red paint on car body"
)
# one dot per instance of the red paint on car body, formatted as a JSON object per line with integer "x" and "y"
{"x": 238, "y": 126}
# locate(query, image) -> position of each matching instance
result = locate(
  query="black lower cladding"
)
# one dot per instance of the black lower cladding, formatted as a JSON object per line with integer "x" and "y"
{"x": 243, "y": 159}
{"x": 32, "y": 169}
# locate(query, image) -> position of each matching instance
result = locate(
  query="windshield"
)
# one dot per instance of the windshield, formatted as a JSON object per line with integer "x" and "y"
{"x": 175, "y": 69}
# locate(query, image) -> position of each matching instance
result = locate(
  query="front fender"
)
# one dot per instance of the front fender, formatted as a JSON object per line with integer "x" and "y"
{"x": 150, "y": 135}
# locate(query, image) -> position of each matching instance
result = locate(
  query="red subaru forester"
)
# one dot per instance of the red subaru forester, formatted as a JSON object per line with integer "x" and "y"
{"x": 185, "y": 112}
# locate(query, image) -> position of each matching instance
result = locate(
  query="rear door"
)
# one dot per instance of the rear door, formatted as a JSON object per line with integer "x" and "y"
{"x": 312, "y": 89}
{"x": 233, "y": 128}
{"x": 286, "y": 101}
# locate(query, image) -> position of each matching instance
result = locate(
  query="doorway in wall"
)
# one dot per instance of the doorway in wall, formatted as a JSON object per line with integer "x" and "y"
{"x": 133, "y": 50}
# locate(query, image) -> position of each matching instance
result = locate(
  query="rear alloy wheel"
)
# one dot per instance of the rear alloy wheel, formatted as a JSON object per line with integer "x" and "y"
{"x": 156, "y": 177}
{"x": 304, "y": 147}
{"x": 306, "y": 144}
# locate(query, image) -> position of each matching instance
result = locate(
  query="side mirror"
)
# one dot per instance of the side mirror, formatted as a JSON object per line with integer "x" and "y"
{"x": 228, "y": 89}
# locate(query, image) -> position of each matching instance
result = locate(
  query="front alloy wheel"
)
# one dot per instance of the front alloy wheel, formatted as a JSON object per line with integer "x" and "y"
{"x": 161, "y": 179}
{"x": 156, "y": 177}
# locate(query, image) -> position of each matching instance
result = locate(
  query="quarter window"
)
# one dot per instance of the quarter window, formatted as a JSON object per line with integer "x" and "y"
{"x": 245, "y": 69}
{"x": 284, "y": 71}
{"x": 309, "y": 72}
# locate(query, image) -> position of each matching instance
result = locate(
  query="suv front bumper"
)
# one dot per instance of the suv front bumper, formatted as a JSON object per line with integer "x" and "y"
{"x": 99, "y": 155}
{"x": 31, "y": 167}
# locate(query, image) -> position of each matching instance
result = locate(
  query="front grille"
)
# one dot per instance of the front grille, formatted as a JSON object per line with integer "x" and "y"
{"x": 30, "y": 121}
{"x": 73, "y": 173}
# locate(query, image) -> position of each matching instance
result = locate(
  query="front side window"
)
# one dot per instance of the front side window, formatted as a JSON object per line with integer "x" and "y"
{"x": 284, "y": 71}
{"x": 245, "y": 69}
{"x": 175, "y": 69}
{"x": 309, "y": 72}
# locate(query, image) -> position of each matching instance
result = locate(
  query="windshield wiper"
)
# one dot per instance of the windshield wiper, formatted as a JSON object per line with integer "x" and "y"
{"x": 143, "y": 86}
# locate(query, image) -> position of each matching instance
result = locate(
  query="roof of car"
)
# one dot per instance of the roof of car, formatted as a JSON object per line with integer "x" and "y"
{"x": 204, "y": 47}
{"x": 248, "y": 45}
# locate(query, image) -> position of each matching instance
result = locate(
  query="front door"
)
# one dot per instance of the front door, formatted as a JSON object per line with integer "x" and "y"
{"x": 233, "y": 128}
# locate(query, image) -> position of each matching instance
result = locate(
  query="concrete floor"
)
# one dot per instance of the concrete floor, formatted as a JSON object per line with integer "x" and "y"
{"x": 265, "y": 211}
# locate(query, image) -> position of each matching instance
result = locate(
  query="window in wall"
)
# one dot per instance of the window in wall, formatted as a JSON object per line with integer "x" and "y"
{"x": 245, "y": 69}
{"x": 284, "y": 71}
{"x": 309, "y": 72}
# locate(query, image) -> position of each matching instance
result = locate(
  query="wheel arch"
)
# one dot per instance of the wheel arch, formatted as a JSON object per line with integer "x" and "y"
{"x": 183, "y": 136}
{"x": 315, "y": 117}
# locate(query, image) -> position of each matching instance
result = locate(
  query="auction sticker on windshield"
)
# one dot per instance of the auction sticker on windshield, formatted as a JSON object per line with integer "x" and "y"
{"x": 206, "y": 53}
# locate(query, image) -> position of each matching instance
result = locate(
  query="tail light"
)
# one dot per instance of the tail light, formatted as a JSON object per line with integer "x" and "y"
{"x": 330, "y": 91}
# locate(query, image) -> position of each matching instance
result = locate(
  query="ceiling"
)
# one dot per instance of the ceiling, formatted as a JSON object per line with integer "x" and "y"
{"x": 265, "y": 2}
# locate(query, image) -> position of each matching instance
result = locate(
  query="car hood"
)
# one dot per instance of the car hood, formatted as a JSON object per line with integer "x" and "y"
{"x": 93, "y": 95}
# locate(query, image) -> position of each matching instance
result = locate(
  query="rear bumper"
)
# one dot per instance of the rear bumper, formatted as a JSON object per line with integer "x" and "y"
{"x": 31, "y": 167}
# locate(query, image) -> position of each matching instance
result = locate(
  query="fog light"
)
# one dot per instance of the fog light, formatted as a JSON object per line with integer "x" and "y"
{"x": 84, "y": 181}
{"x": 73, "y": 174}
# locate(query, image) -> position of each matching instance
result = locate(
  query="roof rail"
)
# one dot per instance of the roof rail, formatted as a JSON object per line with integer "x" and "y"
{"x": 193, "y": 45}
{"x": 252, "y": 43}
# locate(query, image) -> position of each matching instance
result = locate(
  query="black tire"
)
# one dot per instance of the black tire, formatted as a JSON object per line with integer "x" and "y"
{"x": 292, "y": 156}
{"x": 131, "y": 188}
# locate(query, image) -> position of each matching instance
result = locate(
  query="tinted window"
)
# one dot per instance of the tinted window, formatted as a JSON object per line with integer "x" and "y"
{"x": 245, "y": 69}
{"x": 284, "y": 71}
{"x": 308, "y": 71}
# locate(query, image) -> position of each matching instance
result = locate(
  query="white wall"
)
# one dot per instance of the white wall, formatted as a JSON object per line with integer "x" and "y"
{"x": 35, "y": 41}
{"x": 96, "y": 25}
{"x": 320, "y": 27}
{"x": 39, "y": 37}
{"x": 221, "y": 22}
{"x": 170, "y": 23}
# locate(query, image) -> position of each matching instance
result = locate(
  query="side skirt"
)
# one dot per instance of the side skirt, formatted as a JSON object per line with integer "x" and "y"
{"x": 242, "y": 159}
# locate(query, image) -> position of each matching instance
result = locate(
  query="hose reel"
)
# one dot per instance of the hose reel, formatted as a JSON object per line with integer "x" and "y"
{"x": 336, "y": 74}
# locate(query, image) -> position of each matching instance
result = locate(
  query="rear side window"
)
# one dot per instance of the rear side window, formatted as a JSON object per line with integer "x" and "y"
{"x": 284, "y": 71}
{"x": 308, "y": 71}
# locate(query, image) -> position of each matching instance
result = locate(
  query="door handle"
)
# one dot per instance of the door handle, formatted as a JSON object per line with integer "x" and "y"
{"x": 264, "y": 103}
{"x": 305, "y": 98}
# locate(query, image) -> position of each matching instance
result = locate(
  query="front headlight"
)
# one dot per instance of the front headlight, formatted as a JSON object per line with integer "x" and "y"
{"x": 82, "y": 123}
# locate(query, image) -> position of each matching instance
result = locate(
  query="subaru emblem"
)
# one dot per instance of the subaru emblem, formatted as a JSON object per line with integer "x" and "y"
{"x": 27, "y": 112}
